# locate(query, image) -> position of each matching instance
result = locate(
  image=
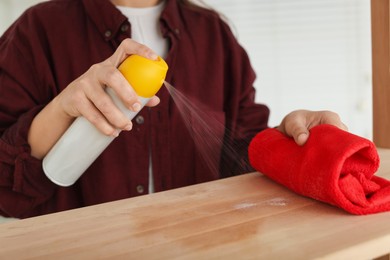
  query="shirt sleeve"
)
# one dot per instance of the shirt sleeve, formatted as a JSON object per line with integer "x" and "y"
{"x": 23, "y": 184}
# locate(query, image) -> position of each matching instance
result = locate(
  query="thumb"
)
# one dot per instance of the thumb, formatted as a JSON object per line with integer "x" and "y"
{"x": 301, "y": 137}
{"x": 300, "y": 134}
{"x": 295, "y": 125}
{"x": 298, "y": 131}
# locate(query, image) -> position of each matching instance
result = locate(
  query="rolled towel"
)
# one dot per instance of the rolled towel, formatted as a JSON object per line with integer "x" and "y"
{"x": 334, "y": 166}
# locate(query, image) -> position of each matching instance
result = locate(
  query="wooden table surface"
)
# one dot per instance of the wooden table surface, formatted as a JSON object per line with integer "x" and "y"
{"x": 244, "y": 217}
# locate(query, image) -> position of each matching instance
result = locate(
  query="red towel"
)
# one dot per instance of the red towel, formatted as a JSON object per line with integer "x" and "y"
{"x": 334, "y": 167}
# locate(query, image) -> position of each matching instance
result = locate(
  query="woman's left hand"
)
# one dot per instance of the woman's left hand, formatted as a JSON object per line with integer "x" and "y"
{"x": 298, "y": 123}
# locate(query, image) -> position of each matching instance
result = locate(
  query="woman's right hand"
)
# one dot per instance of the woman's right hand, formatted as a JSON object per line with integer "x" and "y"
{"x": 86, "y": 97}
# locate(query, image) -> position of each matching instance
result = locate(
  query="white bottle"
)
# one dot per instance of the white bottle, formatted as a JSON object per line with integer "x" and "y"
{"x": 82, "y": 143}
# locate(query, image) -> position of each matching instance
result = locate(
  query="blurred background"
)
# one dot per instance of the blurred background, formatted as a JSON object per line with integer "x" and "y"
{"x": 308, "y": 54}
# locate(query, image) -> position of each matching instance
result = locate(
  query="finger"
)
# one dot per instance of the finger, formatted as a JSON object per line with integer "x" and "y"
{"x": 295, "y": 125}
{"x": 111, "y": 77}
{"x": 154, "y": 101}
{"x": 93, "y": 115}
{"x": 299, "y": 131}
{"x": 301, "y": 139}
{"x": 128, "y": 47}
{"x": 104, "y": 103}
{"x": 332, "y": 118}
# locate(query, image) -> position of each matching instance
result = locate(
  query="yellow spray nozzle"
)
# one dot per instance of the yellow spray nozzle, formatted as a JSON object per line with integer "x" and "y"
{"x": 144, "y": 75}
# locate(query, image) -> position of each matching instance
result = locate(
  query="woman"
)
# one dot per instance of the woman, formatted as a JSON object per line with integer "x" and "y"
{"x": 59, "y": 56}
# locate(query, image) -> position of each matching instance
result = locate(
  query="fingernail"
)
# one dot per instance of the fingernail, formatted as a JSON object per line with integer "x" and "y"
{"x": 302, "y": 138}
{"x": 128, "y": 127}
{"x": 136, "y": 107}
{"x": 153, "y": 56}
{"x": 116, "y": 133}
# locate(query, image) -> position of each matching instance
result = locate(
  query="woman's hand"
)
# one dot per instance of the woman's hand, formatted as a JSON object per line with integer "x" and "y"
{"x": 298, "y": 123}
{"x": 86, "y": 97}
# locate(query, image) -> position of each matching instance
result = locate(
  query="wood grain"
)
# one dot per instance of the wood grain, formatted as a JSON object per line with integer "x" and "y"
{"x": 380, "y": 22}
{"x": 244, "y": 217}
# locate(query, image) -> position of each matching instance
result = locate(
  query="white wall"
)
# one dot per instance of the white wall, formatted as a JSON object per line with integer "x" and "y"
{"x": 11, "y": 9}
{"x": 312, "y": 54}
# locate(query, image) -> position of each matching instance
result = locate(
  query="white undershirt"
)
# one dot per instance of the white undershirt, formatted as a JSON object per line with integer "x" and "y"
{"x": 145, "y": 29}
{"x": 145, "y": 26}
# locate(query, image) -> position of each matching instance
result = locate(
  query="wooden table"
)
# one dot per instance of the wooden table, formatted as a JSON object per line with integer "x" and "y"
{"x": 244, "y": 217}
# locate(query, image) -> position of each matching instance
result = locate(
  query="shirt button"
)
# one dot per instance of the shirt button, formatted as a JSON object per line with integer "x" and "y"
{"x": 140, "y": 189}
{"x": 124, "y": 27}
{"x": 177, "y": 31}
{"x": 140, "y": 120}
{"x": 107, "y": 33}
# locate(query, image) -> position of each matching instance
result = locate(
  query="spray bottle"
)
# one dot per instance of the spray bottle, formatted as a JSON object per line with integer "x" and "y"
{"x": 82, "y": 142}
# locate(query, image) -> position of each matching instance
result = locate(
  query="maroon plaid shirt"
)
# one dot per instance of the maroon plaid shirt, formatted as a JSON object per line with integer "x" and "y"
{"x": 54, "y": 42}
